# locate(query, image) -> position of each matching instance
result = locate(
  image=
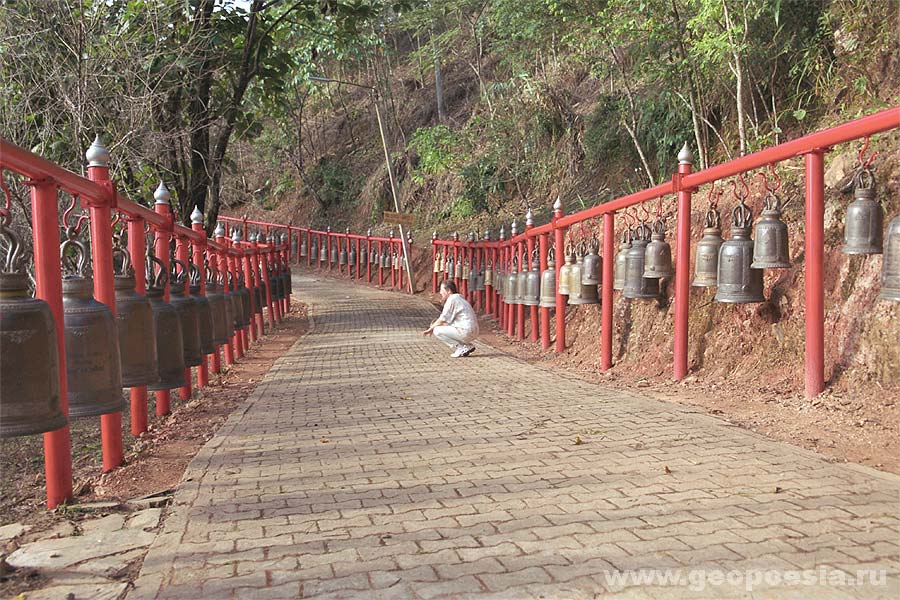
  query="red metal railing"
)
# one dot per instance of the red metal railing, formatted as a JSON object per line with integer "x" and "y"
{"x": 684, "y": 183}
{"x": 98, "y": 194}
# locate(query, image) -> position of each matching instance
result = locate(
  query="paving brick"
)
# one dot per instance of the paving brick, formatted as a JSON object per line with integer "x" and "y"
{"x": 474, "y": 489}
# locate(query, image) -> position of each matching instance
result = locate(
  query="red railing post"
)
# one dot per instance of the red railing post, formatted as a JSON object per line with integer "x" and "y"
{"x": 488, "y": 288}
{"x": 455, "y": 260}
{"x": 545, "y": 311}
{"x": 222, "y": 263}
{"x": 250, "y": 280}
{"x": 161, "y": 249}
{"x": 328, "y": 257}
{"x": 815, "y": 279}
{"x": 434, "y": 275}
{"x": 48, "y": 287}
{"x": 215, "y": 364}
{"x": 137, "y": 242}
{"x": 606, "y": 317}
{"x": 358, "y": 258}
{"x": 477, "y": 264}
{"x": 499, "y": 301}
{"x": 559, "y": 234}
{"x": 181, "y": 252}
{"x": 535, "y": 320}
{"x": 682, "y": 267}
{"x": 369, "y": 256}
{"x": 198, "y": 248}
{"x": 234, "y": 265}
{"x": 104, "y": 283}
{"x": 513, "y": 255}
{"x": 264, "y": 255}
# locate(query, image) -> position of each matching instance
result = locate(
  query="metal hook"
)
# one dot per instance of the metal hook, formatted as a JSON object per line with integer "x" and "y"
{"x": 645, "y": 211}
{"x": 775, "y": 176}
{"x": 865, "y": 163}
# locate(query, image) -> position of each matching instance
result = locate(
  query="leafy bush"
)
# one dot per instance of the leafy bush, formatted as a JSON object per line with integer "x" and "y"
{"x": 334, "y": 181}
{"x": 435, "y": 149}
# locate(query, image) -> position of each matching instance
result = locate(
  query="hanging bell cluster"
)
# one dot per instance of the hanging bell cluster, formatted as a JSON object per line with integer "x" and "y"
{"x": 134, "y": 322}
{"x": 548, "y": 281}
{"x": 169, "y": 340}
{"x": 706, "y": 271}
{"x": 738, "y": 281}
{"x": 30, "y": 399}
{"x": 93, "y": 366}
{"x": 770, "y": 246}
{"x": 865, "y": 217}
{"x": 636, "y": 284}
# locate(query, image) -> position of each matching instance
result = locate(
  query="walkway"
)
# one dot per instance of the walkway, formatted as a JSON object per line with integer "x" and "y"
{"x": 369, "y": 465}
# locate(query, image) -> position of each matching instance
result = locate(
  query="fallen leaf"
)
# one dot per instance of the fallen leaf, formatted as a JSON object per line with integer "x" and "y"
{"x": 324, "y": 441}
{"x": 667, "y": 469}
{"x": 578, "y": 441}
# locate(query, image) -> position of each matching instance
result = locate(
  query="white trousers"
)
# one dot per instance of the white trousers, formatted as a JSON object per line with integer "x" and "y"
{"x": 452, "y": 336}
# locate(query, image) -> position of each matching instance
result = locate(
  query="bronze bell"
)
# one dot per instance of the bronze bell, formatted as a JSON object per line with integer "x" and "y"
{"x": 304, "y": 249}
{"x": 30, "y": 401}
{"x": 314, "y": 249}
{"x": 548, "y": 282}
{"x": 466, "y": 271}
{"x": 511, "y": 284}
{"x": 229, "y": 311}
{"x": 738, "y": 281}
{"x": 323, "y": 253}
{"x": 591, "y": 272}
{"x": 245, "y": 302}
{"x": 636, "y": 285}
{"x": 93, "y": 366}
{"x": 395, "y": 260}
{"x": 363, "y": 256}
{"x": 351, "y": 257}
{"x": 169, "y": 342}
{"x": 187, "y": 313}
{"x": 770, "y": 245}
{"x": 865, "y": 217}
{"x": 448, "y": 266}
{"x": 522, "y": 280}
{"x": 204, "y": 313}
{"x": 237, "y": 305}
{"x": 437, "y": 264}
{"x": 342, "y": 257}
{"x": 373, "y": 257}
{"x": 620, "y": 265}
{"x": 217, "y": 308}
{"x": 658, "y": 255}
{"x": 890, "y": 267}
{"x": 574, "y": 277}
{"x": 706, "y": 270}
{"x": 500, "y": 283}
{"x": 334, "y": 253}
{"x": 258, "y": 297}
{"x": 532, "y": 295}
{"x": 489, "y": 275}
{"x": 134, "y": 322}
{"x": 458, "y": 269}
{"x": 471, "y": 277}
{"x": 479, "y": 280}
{"x": 564, "y": 271}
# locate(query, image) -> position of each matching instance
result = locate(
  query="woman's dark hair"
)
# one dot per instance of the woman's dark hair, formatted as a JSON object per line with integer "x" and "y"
{"x": 449, "y": 285}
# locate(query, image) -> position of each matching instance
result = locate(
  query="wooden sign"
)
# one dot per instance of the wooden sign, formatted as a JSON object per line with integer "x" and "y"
{"x": 399, "y": 218}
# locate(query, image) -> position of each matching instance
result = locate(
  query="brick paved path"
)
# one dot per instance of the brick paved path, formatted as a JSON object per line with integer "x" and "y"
{"x": 369, "y": 465}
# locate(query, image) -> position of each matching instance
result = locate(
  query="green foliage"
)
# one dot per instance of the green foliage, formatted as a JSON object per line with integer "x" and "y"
{"x": 434, "y": 147}
{"x": 335, "y": 182}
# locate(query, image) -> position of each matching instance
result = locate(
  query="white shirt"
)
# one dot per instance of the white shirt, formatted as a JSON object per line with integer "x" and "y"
{"x": 458, "y": 313}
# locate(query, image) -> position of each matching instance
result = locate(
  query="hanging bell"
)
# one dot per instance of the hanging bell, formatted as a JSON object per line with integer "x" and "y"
{"x": 448, "y": 266}
{"x": 245, "y": 302}
{"x": 351, "y": 257}
{"x": 304, "y": 249}
{"x": 636, "y": 285}
{"x": 314, "y": 250}
{"x": 522, "y": 280}
{"x": 770, "y": 245}
{"x": 373, "y": 257}
{"x": 512, "y": 282}
{"x": 93, "y": 366}
{"x": 334, "y": 253}
{"x": 480, "y": 285}
{"x": 395, "y": 261}
{"x": 548, "y": 282}
{"x": 574, "y": 277}
{"x": 187, "y": 314}
{"x": 437, "y": 264}
{"x": 30, "y": 400}
{"x": 458, "y": 270}
{"x": 738, "y": 281}
{"x": 229, "y": 312}
{"x": 323, "y": 253}
{"x": 363, "y": 256}
{"x": 890, "y": 267}
{"x": 466, "y": 271}
{"x": 471, "y": 278}
{"x": 587, "y": 292}
{"x": 217, "y": 308}
{"x": 658, "y": 254}
{"x": 591, "y": 272}
{"x": 865, "y": 217}
{"x": 204, "y": 313}
{"x": 707, "y": 262}
{"x": 342, "y": 257}
{"x": 620, "y": 265}
{"x": 532, "y": 295}
{"x": 169, "y": 342}
{"x": 237, "y": 305}
{"x": 489, "y": 275}
{"x": 134, "y": 322}
{"x": 564, "y": 271}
